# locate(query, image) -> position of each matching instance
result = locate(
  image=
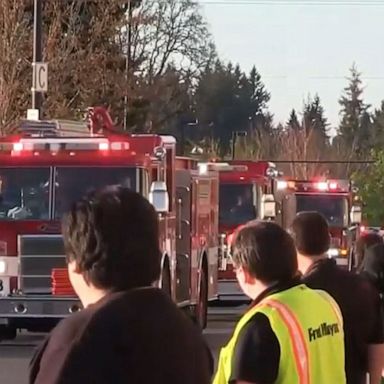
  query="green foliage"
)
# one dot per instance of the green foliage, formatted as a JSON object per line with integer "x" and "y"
{"x": 293, "y": 121}
{"x": 371, "y": 187}
{"x": 355, "y": 126}
{"x": 229, "y": 100}
{"x": 314, "y": 118}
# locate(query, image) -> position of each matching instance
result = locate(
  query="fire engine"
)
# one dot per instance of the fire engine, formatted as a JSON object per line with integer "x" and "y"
{"x": 49, "y": 164}
{"x": 245, "y": 193}
{"x": 336, "y": 200}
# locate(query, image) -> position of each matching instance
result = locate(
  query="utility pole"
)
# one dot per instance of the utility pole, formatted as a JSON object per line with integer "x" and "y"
{"x": 128, "y": 59}
{"x": 37, "y": 53}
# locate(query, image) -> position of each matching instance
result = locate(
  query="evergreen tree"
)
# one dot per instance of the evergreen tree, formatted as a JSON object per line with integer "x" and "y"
{"x": 293, "y": 121}
{"x": 228, "y": 100}
{"x": 352, "y": 110}
{"x": 259, "y": 95}
{"x": 378, "y": 127}
{"x": 314, "y": 119}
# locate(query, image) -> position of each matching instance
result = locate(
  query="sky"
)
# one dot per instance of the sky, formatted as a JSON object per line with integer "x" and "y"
{"x": 303, "y": 47}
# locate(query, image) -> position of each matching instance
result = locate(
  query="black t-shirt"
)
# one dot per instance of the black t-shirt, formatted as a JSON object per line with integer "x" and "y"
{"x": 256, "y": 356}
{"x": 359, "y": 302}
{"x": 134, "y": 337}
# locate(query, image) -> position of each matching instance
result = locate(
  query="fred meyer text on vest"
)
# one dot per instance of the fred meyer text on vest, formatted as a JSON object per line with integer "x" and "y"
{"x": 323, "y": 330}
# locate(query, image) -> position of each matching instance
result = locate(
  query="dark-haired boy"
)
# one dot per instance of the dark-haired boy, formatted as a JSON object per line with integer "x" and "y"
{"x": 129, "y": 331}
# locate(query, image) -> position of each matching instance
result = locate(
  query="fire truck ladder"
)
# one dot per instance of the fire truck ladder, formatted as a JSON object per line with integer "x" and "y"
{"x": 97, "y": 122}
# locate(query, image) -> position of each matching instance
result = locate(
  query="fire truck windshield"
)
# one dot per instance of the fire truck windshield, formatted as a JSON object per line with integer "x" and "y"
{"x": 334, "y": 208}
{"x": 24, "y": 193}
{"x": 236, "y": 204}
{"x": 72, "y": 183}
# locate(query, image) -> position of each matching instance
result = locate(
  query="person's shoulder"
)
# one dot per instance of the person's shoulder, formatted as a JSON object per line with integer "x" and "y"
{"x": 256, "y": 344}
{"x": 331, "y": 274}
{"x": 71, "y": 328}
{"x": 134, "y": 300}
{"x": 357, "y": 282}
{"x": 256, "y": 328}
{"x": 136, "y": 306}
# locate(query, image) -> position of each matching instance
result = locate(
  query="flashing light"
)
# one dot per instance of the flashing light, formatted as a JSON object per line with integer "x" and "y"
{"x": 17, "y": 147}
{"x": 282, "y": 184}
{"x": 3, "y": 267}
{"x": 333, "y": 252}
{"x": 322, "y": 186}
{"x": 203, "y": 168}
{"x": 363, "y": 228}
{"x": 344, "y": 252}
{"x": 332, "y": 185}
{"x": 103, "y": 146}
{"x": 117, "y": 146}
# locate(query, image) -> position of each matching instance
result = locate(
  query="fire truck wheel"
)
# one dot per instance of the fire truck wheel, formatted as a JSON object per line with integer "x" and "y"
{"x": 8, "y": 333}
{"x": 202, "y": 305}
{"x": 166, "y": 280}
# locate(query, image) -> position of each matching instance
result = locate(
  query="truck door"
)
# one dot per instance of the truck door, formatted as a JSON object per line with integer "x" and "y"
{"x": 183, "y": 235}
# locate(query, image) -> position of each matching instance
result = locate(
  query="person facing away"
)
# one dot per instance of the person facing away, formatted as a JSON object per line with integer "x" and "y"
{"x": 373, "y": 266}
{"x": 363, "y": 243}
{"x": 291, "y": 334}
{"x": 358, "y": 299}
{"x": 130, "y": 331}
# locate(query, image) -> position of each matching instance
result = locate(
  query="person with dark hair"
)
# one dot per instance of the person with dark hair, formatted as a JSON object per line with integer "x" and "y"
{"x": 130, "y": 331}
{"x": 373, "y": 266}
{"x": 290, "y": 334}
{"x": 365, "y": 241}
{"x": 358, "y": 300}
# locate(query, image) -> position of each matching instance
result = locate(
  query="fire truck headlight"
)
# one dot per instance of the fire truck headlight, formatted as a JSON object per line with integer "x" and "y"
{"x": 333, "y": 252}
{"x": 344, "y": 252}
{"x": 3, "y": 267}
{"x": 203, "y": 169}
{"x": 282, "y": 184}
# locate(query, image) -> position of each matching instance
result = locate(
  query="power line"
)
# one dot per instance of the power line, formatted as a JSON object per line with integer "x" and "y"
{"x": 369, "y": 161}
{"x": 295, "y": 2}
{"x": 321, "y": 77}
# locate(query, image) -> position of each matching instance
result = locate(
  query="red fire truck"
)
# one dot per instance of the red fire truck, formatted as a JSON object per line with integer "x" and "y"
{"x": 245, "y": 194}
{"x": 49, "y": 164}
{"x": 335, "y": 199}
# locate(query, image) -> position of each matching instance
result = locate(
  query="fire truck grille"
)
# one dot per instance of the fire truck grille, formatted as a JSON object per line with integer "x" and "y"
{"x": 38, "y": 256}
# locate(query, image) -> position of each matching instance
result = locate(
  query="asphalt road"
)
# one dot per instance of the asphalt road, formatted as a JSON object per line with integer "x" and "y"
{"x": 15, "y": 355}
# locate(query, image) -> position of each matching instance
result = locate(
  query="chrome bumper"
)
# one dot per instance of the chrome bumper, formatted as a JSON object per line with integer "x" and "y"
{"x": 37, "y": 307}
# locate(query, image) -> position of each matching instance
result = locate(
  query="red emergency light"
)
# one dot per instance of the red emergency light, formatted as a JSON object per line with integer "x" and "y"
{"x": 311, "y": 186}
{"x": 70, "y": 144}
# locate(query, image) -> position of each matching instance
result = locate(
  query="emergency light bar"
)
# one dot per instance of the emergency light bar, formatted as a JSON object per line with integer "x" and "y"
{"x": 69, "y": 144}
{"x": 221, "y": 167}
{"x": 321, "y": 186}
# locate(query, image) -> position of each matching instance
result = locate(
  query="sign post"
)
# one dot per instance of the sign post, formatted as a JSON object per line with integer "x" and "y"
{"x": 40, "y": 77}
{"x": 37, "y": 55}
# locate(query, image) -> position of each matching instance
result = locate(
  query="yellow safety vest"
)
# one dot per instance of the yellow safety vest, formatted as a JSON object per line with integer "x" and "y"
{"x": 309, "y": 327}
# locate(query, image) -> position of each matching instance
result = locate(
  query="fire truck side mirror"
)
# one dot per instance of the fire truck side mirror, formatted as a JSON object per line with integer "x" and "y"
{"x": 272, "y": 173}
{"x": 159, "y": 153}
{"x": 356, "y": 215}
{"x": 158, "y": 196}
{"x": 268, "y": 207}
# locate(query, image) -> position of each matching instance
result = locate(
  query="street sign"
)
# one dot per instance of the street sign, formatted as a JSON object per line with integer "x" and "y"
{"x": 33, "y": 114}
{"x": 40, "y": 77}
